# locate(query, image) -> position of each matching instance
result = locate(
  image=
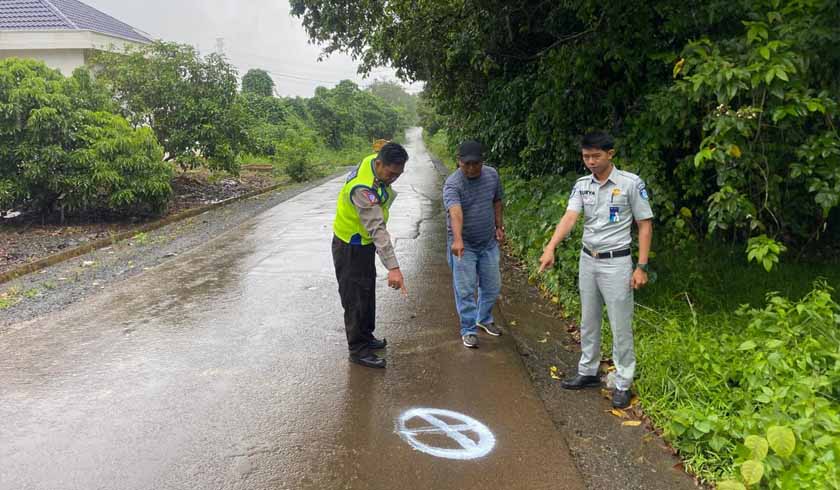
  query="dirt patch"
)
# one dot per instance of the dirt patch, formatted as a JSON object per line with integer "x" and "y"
{"x": 26, "y": 238}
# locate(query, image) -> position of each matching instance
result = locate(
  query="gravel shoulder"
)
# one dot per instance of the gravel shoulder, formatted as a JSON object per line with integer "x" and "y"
{"x": 613, "y": 449}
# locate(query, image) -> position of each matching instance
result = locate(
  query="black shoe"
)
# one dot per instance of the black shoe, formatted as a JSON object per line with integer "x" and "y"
{"x": 369, "y": 360}
{"x": 377, "y": 344}
{"x": 581, "y": 381}
{"x": 470, "y": 340}
{"x": 621, "y": 398}
{"x": 490, "y": 328}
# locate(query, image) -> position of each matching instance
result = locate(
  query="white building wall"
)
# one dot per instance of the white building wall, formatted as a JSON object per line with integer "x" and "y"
{"x": 65, "y": 60}
{"x": 64, "y": 50}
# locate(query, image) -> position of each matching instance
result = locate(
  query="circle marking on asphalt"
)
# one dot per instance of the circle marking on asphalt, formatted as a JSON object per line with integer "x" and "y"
{"x": 469, "y": 448}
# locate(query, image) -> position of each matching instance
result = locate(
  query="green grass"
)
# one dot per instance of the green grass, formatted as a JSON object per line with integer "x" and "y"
{"x": 6, "y": 302}
{"x": 141, "y": 238}
{"x": 328, "y": 160}
{"x": 14, "y": 295}
{"x": 439, "y": 146}
{"x": 717, "y": 278}
{"x": 321, "y": 160}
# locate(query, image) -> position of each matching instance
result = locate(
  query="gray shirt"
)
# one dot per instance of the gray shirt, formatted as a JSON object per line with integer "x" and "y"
{"x": 477, "y": 198}
{"x": 609, "y": 208}
{"x": 372, "y": 218}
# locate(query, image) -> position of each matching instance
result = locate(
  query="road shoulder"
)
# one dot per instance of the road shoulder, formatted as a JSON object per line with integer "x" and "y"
{"x": 611, "y": 450}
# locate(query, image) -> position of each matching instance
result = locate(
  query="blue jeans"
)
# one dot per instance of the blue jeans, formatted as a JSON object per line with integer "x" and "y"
{"x": 476, "y": 270}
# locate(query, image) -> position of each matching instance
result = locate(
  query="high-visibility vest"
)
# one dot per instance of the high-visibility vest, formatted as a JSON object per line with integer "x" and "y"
{"x": 347, "y": 225}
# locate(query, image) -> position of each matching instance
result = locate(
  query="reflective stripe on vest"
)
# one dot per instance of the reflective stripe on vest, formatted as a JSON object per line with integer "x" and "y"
{"x": 347, "y": 225}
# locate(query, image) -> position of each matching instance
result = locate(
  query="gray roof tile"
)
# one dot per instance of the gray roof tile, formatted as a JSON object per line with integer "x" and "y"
{"x": 62, "y": 15}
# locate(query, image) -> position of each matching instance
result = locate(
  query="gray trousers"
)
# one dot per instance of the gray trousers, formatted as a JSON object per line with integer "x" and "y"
{"x": 607, "y": 281}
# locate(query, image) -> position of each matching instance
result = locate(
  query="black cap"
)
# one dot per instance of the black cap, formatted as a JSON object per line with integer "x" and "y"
{"x": 471, "y": 151}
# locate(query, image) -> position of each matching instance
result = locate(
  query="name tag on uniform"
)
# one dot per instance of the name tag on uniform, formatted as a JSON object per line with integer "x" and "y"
{"x": 615, "y": 214}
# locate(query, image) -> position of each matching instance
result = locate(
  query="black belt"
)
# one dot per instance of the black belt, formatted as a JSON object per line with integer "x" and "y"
{"x": 607, "y": 255}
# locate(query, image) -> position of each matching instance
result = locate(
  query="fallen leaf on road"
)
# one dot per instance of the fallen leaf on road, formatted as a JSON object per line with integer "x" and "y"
{"x": 87, "y": 263}
{"x": 553, "y": 372}
{"x": 513, "y": 323}
{"x": 618, "y": 413}
{"x": 543, "y": 341}
{"x": 631, "y": 423}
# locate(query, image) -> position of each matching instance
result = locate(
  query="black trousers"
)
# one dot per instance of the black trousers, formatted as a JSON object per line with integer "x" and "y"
{"x": 355, "y": 269}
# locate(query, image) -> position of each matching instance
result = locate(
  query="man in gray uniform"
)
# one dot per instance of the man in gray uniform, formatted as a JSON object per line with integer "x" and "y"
{"x": 609, "y": 199}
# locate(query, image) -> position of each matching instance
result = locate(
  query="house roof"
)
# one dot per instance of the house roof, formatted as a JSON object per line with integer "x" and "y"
{"x": 63, "y": 15}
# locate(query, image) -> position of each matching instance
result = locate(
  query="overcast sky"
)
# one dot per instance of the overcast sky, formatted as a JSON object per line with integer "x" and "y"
{"x": 256, "y": 34}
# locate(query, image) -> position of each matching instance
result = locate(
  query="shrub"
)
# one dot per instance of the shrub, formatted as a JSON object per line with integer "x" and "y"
{"x": 60, "y": 151}
{"x": 190, "y": 102}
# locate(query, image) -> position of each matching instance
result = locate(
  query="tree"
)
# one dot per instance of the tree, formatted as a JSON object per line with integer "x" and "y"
{"x": 394, "y": 94}
{"x": 190, "y": 102}
{"x": 258, "y": 82}
{"x": 346, "y": 111}
{"x": 292, "y": 130}
{"x": 730, "y": 113}
{"x": 296, "y": 150}
{"x": 60, "y": 149}
{"x": 265, "y": 118}
{"x": 427, "y": 116}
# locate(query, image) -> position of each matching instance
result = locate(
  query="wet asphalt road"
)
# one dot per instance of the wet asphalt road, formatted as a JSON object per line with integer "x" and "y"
{"x": 228, "y": 369}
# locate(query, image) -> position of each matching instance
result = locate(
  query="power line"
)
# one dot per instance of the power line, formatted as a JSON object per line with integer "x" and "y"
{"x": 243, "y": 54}
{"x": 284, "y": 62}
{"x": 383, "y": 72}
{"x": 299, "y": 78}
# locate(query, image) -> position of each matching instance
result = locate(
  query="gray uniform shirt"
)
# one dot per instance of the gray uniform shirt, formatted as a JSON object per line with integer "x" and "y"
{"x": 609, "y": 208}
{"x": 373, "y": 220}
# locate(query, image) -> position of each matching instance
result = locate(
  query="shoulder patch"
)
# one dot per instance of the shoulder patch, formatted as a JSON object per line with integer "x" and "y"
{"x": 643, "y": 192}
{"x": 352, "y": 175}
{"x": 369, "y": 196}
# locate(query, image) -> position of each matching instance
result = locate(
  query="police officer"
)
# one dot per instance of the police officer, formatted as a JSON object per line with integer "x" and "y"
{"x": 609, "y": 199}
{"x": 360, "y": 232}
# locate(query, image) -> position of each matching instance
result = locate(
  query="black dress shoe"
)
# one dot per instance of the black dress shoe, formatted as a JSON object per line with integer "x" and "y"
{"x": 369, "y": 360}
{"x": 621, "y": 398}
{"x": 377, "y": 344}
{"x": 581, "y": 381}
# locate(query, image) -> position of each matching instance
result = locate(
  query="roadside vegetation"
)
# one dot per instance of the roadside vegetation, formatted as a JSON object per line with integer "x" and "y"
{"x": 730, "y": 114}
{"x": 108, "y": 146}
